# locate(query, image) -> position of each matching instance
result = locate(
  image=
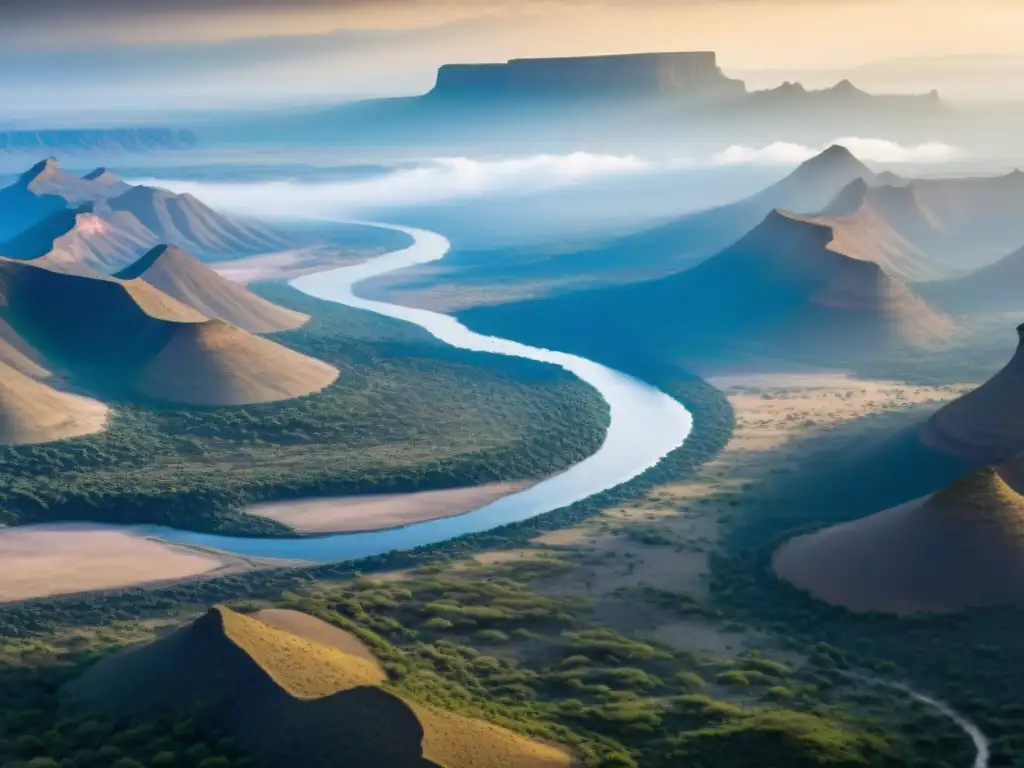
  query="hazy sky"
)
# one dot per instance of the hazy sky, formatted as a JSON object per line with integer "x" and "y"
{"x": 77, "y": 56}
{"x": 748, "y": 33}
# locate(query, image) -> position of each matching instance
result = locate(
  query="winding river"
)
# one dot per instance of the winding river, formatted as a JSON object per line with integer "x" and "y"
{"x": 646, "y": 424}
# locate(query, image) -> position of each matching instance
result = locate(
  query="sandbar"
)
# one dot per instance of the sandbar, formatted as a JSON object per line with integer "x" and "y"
{"x": 47, "y": 560}
{"x": 349, "y": 514}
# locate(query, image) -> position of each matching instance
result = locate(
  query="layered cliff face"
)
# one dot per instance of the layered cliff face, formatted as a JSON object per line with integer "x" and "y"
{"x": 649, "y": 74}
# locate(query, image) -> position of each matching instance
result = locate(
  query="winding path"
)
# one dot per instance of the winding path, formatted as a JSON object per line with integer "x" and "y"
{"x": 982, "y": 745}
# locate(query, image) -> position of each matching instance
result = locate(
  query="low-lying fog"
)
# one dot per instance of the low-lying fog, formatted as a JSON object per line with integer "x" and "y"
{"x": 510, "y": 199}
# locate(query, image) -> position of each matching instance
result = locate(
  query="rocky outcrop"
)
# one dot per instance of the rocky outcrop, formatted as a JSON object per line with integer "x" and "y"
{"x": 685, "y": 74}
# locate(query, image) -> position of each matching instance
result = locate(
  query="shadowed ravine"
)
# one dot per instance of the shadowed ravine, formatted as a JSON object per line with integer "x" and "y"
{"x": 646, "y": 424}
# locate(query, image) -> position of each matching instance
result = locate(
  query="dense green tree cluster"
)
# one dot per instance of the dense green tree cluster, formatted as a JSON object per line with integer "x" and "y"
{"x": 407, "y": 413}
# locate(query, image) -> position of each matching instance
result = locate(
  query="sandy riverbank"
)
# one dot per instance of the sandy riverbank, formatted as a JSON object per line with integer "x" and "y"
{"x": 350, "y": 514}
{"x": 48, "y": 560}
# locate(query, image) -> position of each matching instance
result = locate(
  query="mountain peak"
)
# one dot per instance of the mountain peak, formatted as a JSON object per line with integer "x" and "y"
{"x": 41, "y": 170}
{"x": 144, "y": 264}
{"x": 837, "y": 151}
{"x": 845, "y": 88}
{"x": 835, "y": 158}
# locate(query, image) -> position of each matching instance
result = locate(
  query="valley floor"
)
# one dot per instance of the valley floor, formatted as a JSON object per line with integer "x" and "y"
{"x": 664, "y": 541}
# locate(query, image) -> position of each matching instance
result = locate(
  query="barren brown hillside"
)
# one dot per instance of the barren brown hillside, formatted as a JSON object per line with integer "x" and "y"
{"x": 80, "y": 241}
{"x": 214, "y": 363}
{"x": 985, "y": 426}
{"x": 32, "y": 412}
{"x": 958, "y": 548}
{"x": 181, "y": 275}
{"x": 129, "y": 335}
{"x": 859, "y": 218}
{"x": 18, "y": 354}
{"x": 186, "y": 221}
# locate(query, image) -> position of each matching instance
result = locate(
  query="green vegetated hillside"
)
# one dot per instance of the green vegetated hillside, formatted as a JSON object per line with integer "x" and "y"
{"x": 406, "y": 413}
{"x": 483, "y": 669}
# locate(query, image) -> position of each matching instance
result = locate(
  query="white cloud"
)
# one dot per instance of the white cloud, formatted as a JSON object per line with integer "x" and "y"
{"x": 868, "y": 150}
{"x": 779, "y": 153}
{"x": 449, "y": 178}
{"x": 882, "y": 151}
{"x": 434, "y": 181}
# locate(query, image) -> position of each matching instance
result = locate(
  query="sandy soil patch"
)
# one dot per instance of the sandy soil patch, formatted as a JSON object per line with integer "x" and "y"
{"x": 67, "y": 558}
{"x": 379, "y": 511}
{"x": 774, "y": 409}
{"x": 284, "y": 265}
{"x": 39, "y": 561}
{"x": 317, "y": 631}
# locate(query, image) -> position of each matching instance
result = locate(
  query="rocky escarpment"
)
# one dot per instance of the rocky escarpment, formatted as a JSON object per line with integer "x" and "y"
{"x": 686, "y": 74}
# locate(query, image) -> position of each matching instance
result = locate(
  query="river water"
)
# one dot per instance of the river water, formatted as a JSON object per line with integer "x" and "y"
{"x": 646, "y": 424}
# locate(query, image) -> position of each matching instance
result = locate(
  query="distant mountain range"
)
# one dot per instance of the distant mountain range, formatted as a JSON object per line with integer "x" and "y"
{"x": 794, "y": 287}
{"x": 691, "y": 77}
{"x": 164, "y": 328}
{"x": 101, "y": 224}
{"x": 587, "y": 99}
{"x": 119, "y": 139}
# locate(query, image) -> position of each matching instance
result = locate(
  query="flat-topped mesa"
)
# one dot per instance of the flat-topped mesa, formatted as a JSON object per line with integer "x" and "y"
{"x": 681, "y": 74}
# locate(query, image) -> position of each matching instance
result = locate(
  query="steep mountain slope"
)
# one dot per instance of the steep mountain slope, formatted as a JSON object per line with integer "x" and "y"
{"x": 985, "y": 426}
{"x": 129, "y": 337}
{"x": 955, "y": 549}
{"x": 21, "y": 206}
{"x": 78, "y": 240}
{"x": 484, "y": 277}
{"x": 187, "y": 222}
{"x": 16, "y": 353}
{"x": 999, "y": 287}
{"x": 32, "y": 412}
{"x": 180, "y": 275}
{"x": 962, "y": 223}
{"x": 137, "y": 215}
{"x": 786, "y": 289}
{"x": 214, "y": 363}
{"x": 807, "y": 189}
{"x": 865, "y": 221}
{"x": 293, "y": 701}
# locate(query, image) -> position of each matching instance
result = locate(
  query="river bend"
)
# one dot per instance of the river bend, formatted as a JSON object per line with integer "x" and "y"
{"x": 646, "y": 424}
